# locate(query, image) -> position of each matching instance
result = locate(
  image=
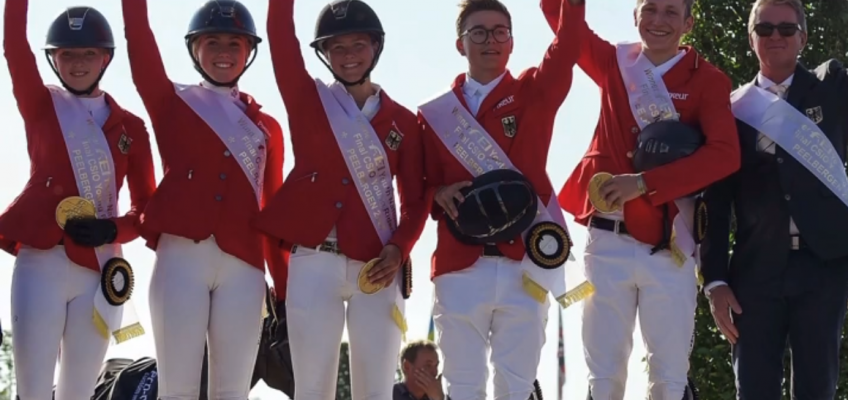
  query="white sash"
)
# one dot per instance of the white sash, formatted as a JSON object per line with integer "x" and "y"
{"x": 368, "y": 166}
{"x": 478, "y": 152}
{"x": 650, "y": 102}
{"x": 243, "y": 138}
{"x": 793, "y": 132}
{"x": 94, "y": 171}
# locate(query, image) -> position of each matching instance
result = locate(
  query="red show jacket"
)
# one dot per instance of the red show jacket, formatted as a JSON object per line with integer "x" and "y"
{"x": 533, "y": 99}
{"x": 702, "y": 98}
{"x": 319, "y": 192}
{"x": 204, "y": 192}
{"x": 31, "y": 218}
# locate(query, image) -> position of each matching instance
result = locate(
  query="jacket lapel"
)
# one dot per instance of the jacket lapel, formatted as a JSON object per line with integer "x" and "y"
{"x": 500, "y": 91}
{"x": 801, "y": 81}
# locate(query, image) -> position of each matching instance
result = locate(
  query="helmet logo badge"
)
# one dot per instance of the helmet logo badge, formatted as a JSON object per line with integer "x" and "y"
{"x": 340, "y": 10}
{"x": 75, "y": 23}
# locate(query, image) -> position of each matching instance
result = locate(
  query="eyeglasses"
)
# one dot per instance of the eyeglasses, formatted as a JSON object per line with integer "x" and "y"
{"x": 785, "y": 29}
{"x": 479, "y": 35}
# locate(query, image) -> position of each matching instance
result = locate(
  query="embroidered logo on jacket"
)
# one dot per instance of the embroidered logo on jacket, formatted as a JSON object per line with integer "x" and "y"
{"x": 815, "y": 114}
{"x": 509, "y": 126}
{"x": 394, "y": 139}
{"x": 505, "y": 102}
{"x": 124, "y": 143}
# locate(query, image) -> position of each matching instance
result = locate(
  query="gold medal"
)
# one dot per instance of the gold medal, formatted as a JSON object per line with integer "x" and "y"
{"x": 365, "y": 284}
{"x": 595, "y": 196}
{"x": 74, "y": 207}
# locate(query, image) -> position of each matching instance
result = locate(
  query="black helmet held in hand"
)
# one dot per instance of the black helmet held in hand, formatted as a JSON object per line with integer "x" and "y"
{"x": 222, "y": 16}
{"x": 343, "y": 17}
{"x": 499, "y": 206}
{"x": 664, "y": 142}
{"x": 78, "y": 28}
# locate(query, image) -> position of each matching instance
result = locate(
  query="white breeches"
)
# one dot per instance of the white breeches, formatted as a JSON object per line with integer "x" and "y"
{"x": 198, "y": 293}
{"x": 53, "y": 307}
{"x": 481, "y": 307}
{"x": 319, "y": 284}
{"x": 626, "y": 278}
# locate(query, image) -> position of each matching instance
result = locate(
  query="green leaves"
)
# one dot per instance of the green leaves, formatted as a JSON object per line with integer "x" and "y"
{"x": 721, "y": 36}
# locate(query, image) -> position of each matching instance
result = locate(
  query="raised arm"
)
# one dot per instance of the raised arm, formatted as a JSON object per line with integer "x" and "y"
{"x": 289, "y": 69}
{"x": 148, "y": 72}
{"x": 141, "y": 180}
{"x": 552, "y": 80}
{"x": 27, "y": 85}
{"x": 275, "y": 257}
{"x": 596, "y": 56}
{"x": 411, "y": 182}
{"x": 715, "y": 160}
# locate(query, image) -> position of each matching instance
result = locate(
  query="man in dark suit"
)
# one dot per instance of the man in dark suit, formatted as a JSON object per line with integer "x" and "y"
{"x": 787, "y": 280}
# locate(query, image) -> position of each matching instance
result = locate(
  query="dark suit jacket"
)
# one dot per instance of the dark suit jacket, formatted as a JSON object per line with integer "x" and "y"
{"x": 769, "y": 188}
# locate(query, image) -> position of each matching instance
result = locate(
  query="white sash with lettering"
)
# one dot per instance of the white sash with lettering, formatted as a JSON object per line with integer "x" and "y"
{"x": 368, "y": 166}
{"x": 94, "y": 171}
{"x": 650, "y": 102}
{"x": 793, "y": 132}
{"x": 460, "y": 132}
{"x": 243, "y": 138}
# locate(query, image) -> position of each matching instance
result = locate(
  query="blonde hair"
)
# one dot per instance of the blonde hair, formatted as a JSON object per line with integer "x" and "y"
{"x": 795, "y": 4}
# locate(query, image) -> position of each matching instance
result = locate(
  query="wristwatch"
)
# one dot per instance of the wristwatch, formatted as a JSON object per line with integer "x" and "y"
{"x": 640, "y": 183}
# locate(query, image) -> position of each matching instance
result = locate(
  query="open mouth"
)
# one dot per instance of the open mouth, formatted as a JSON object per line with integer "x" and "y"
{"x": 223, "y": 65}
{"x": 79, "y": 74}
{"x": 351, "y": 65}
{"x": 490, "y": 53}
{"x": 657, "y": 33}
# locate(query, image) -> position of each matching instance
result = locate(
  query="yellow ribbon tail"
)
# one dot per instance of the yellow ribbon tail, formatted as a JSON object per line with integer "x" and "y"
{"x": 534, "y": 289}
{"x": 573, "y": 296}
{"x": 400, "y": 321}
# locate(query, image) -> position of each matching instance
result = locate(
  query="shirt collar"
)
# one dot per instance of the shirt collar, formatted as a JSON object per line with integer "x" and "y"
{"x": 232, "y": 92}
{"x": 474, "y": 88}
{"x": 666, "y": 66}
{"x": 766, "y": 83}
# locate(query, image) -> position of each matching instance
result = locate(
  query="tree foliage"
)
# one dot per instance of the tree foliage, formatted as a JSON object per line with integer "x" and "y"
{"x": 721, "y": 36}
{"x": 7, "y": 368}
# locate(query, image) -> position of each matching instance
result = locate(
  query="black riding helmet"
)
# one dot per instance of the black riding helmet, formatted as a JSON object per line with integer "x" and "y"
{"x": 222, "y": 16}
{"x": 76, "y": 28}
{"x": 343, "y": 17}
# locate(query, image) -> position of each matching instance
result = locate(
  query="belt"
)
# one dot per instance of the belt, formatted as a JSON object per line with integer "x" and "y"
{"x": 328, "y": 247}
{"x": 491, "y": 250}
{"x": 610, "y": 225}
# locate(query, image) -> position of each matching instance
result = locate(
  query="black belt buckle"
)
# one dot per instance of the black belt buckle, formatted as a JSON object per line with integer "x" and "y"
{"x": 609, "y": 225}
{"x": 327, "y": 247}
{"x": 491, "y": 250}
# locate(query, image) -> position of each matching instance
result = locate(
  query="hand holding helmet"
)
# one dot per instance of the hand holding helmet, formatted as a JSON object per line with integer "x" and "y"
{"x": 447, "y": 195}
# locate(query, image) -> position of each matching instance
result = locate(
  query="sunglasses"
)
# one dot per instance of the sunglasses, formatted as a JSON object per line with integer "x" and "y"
{"x": 785, "y": 29}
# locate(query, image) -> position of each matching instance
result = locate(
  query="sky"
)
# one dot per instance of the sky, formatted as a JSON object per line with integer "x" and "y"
{"x": 419, "y": 60}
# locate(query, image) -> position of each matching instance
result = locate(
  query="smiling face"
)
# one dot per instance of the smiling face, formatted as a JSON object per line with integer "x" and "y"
{"x": 777, "y": 36}
{"x": 351, "y": 55}
{"x": 662, "y": 23}
{"x": 79, "y": 68}
{"x": 222, "y": 56}
{"x": 486, "y": 41}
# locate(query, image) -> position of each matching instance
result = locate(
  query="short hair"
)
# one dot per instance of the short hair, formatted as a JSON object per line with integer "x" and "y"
{"x": 795, "y": 4}
{"x": 411, "y": 350}
{"x": 468, "y": 7}
{"x": 688, "y": 3}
